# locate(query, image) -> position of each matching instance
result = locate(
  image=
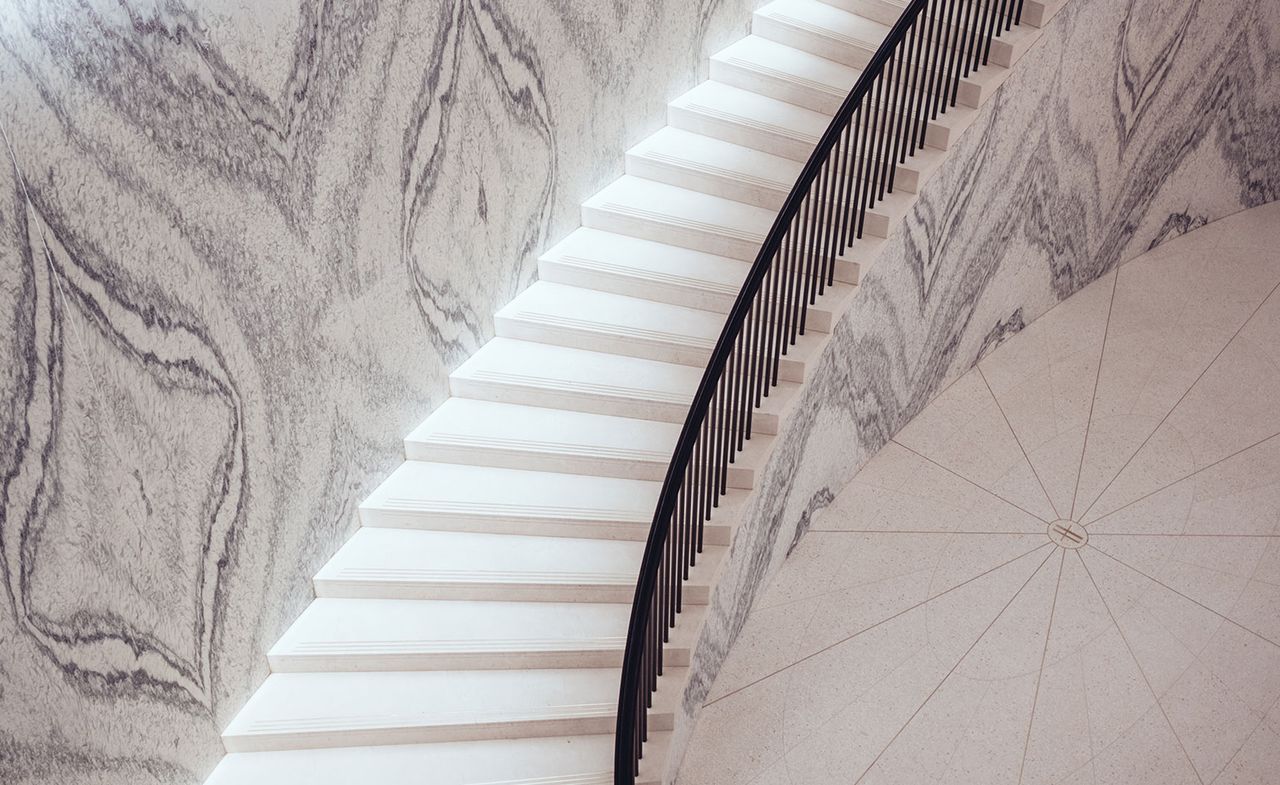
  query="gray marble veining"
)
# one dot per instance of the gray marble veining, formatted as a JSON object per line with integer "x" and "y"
{"x": 1127, "y": 124}
{"x": 241, "y": 246}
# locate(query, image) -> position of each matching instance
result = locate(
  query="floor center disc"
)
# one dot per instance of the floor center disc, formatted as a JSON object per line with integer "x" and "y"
{"x": 1068, "y": 534}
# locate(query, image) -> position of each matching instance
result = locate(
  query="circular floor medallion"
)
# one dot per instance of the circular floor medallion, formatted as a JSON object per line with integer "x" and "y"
{"x": 1068, "y": 534}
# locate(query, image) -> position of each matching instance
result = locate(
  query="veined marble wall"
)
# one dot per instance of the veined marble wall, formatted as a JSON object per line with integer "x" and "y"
{"x": 242, "y": 243}
{"x": 1131, "y": 121}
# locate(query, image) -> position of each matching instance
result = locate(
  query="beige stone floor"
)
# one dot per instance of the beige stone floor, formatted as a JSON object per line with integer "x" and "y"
{"x": 1065, "y": 570}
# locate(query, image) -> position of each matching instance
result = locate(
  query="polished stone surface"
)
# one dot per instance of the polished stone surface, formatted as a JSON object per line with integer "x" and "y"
{"x": 1065, "y": 569}
{"x": 1124, "y": 126}
{"x": 241, "y": 245}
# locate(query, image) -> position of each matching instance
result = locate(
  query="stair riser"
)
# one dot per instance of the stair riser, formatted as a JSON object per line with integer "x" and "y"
{"x": 494, "y": 592}
{"x": 594, "y": 465}
{"x": 538, "y": 527}
{"x": 936, "y": 134}
{"x": 856, "y": 56}
{"x": 302, "y": 740}
{"x": 788, "y": 369}
{"x": 559, "y": 271}
{"x": 730, "y": 187}
{"x": 340, "y": 663}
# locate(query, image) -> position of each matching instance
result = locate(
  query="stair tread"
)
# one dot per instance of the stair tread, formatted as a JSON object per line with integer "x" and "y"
{"x": 743, "y": 107}
{"x": 450, "y": 488}
{"x": 576, "y": 308}
{"x": 787, "y": 62}
{"x": 557, "y": 367}
{"x": 828, "y": 21}
{"x": 374, "y": 627}
{"x": 570, "y": 760}
{"x": 320, "y": 706}
{"x": 599, "y": 376}
{"x": 668, "y": 204}
{"x": 550, "y": 432}
{"x": 802, "y": 70}
{"x": 374, "y": 554}
{"x": 706, "y": 153}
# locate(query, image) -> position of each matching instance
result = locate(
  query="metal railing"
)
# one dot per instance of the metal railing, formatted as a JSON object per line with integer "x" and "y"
{"x": 910, "y": 80}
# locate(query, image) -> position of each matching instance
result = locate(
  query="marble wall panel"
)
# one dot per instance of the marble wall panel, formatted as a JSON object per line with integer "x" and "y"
{"x": 242, "y": 243}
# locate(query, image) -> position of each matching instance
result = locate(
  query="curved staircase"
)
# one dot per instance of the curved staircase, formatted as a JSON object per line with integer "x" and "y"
{"x": 472, "y": 631}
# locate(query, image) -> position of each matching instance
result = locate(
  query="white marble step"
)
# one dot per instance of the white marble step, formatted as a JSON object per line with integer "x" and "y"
{"x": 318, "y": 710}
{"x": 1005, "y": 49}
{"x": 573, "y": 760}
{"x": 411, "y": 564}
{"x": 338, "y": 635}
{"x": 799, "y": 77}
{"x": 836, "y": 34}
{"x": 678, "y": 216}
{"x": 603, "y": 322}
{"x": 730, "y": 171}
{"x": 821, "y": 29}
{"x": 456, "y": 497}
{"x": 886, "y": 12}
{"x": 511, "y": 436}
{"x": 762, "y": 123}
{"x": 628, "y": 265}
{"x": 749, "y": 119}
{"x": 539, "y": 374}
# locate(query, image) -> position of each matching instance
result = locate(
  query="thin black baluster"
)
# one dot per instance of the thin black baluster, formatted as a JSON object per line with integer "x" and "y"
{"x": 903, "y": 121}
{"x": 796, "y": 295}
{"x": 815, "y": 243}
{"x": 869, "y": 184}
{"x": 882, "y": 138}
{"x": 848, "y": 142}
{"x": 993, "y": 31}
{"x": 953, "y": 36}
{"x": 977, "y": 44}
{"x": 862, "y": 131}
{"x": 958, "y": 56}
{"x": 760, "y": 350}
{"x": 927, "y": 77}
{"x": 760, "y": 311}
{"x": 1006, "y": 18}
{"x": 938, "y": 88}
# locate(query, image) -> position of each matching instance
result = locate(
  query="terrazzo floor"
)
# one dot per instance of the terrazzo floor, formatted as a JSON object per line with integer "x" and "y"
{"x": 1066, "y": 569}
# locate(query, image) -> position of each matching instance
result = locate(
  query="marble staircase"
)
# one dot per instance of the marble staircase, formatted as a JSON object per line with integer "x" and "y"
{"x": 472, "y": 630}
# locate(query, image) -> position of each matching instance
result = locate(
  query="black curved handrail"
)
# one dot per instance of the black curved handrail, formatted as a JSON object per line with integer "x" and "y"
{"x": 912, "y": 78}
